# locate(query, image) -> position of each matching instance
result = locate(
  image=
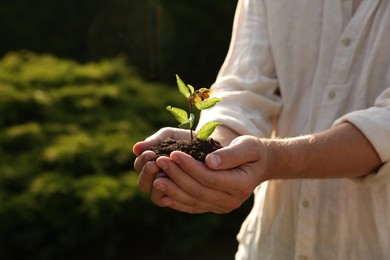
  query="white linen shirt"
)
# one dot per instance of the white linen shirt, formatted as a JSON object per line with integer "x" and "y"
{"x": 330, "y": 66}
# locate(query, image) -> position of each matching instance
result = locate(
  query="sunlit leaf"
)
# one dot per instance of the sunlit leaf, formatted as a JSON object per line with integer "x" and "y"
{"x": 184, "y": 90}
{"x": 207, "y": 103}
{"x": 192, "y": 90}
{"x": 207, "y": 130}
{"x": 180, "y": 114}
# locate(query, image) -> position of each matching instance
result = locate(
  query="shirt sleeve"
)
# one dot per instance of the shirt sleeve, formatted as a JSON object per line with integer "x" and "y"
{"x": 247, "y": 80}
{"x": 374, "y": 123}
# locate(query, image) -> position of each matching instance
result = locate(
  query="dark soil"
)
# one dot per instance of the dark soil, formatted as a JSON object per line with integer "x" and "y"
{"x": 198, "y": 149}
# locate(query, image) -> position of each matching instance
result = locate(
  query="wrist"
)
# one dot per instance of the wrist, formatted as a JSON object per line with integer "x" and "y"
{"x": 273, "y": 163}
{"x": 284, "y": 158}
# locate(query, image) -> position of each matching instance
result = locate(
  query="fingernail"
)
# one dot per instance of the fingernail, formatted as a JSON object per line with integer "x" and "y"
{"x": 161, "y": 175}
{"x": 176, "y": 157}
{"x": 162, "y": 165}
{"x": 167, "y": 202}
{"x": 161, "y": 187}
{"x": 214, "y": 160}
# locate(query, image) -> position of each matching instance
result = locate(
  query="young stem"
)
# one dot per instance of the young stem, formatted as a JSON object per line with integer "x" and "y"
{"x": 190, "y": 111}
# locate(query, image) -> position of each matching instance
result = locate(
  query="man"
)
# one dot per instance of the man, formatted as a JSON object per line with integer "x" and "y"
{"x": 316, "y": 74}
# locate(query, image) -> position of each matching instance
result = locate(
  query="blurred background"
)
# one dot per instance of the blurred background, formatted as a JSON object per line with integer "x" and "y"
{"x": 80, "y": 83}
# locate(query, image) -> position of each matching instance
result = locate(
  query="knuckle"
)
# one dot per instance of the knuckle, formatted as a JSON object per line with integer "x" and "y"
{"x": 209, "y": 182}
{"x": 199, "y": 194}
{"x": 247, "y": 192}
{"x": 234, "y": 204}
{"x": 165, "y": 130}
{"x": 243, "y": 191}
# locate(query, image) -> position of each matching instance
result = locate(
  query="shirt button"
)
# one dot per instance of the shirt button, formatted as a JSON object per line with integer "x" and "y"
{"x": 305, "y": 204}
{"x": 346, "y": 42}
{"x": 332, "y": 95}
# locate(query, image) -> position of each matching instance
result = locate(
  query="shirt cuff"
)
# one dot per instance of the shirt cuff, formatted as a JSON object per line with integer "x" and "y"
{"x": 374, "y": 124}
{"x": 382, "y": 176}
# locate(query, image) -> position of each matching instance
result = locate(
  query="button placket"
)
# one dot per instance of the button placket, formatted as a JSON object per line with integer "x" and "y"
{"x": 307, "y": 220}
{"x": 305, "y": 204}
{"x": 346, "y": 41}
{"x": 332, "y": 94}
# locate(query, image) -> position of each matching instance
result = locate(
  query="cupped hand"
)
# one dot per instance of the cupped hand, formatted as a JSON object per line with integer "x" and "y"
{"x": 158, "y": 137}
{"x": 145, "y": 163}
{"x": 221, "y": 184}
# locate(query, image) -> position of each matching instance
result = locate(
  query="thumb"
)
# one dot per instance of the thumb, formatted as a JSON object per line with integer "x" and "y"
{"x": 242, "y": 150}
{"x": 141, "y": 147}
{"x": 155, "y": 139}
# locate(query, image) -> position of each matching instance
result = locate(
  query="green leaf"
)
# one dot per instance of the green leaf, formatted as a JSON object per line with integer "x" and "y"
{"x": 184, "y": 90}
{"x": 189, "y": 123}
{"x": 192, "y": 89}
{"x": 207, "y": 103}
{"x": 207, "y": 130}
{"x": 180, "y": 114}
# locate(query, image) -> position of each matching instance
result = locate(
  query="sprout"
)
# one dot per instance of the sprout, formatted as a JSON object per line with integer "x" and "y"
{"x": 201, "y": 99}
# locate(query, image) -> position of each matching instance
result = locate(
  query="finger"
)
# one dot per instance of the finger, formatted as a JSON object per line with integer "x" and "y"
{"x": 158, "y": 137}
{"x": 147, "y": 176}
{"x": 206, "y": 191}
{"x": 231, "y": 183}
{"x": 141, "y": 160}
{"x": 167, "y": 194}
{"x": 143, "y": 146}
{"x": 157, "y": 197}
{"x": 194, "y": 210}
{"x": 240, "y": 151}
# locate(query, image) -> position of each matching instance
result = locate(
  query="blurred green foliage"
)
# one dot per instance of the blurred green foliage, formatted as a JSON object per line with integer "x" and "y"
{"x": 158, "y": 37}
{"x": 67, "y": 125}
{"x": 67, "y": 188}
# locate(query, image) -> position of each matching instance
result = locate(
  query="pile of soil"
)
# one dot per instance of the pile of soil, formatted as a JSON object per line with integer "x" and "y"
{"x": 198, "y": 149}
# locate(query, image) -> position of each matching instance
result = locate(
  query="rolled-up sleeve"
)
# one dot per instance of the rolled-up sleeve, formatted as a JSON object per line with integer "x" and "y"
{"x": 374, "y": 123}
{"x": 247, "y": 80}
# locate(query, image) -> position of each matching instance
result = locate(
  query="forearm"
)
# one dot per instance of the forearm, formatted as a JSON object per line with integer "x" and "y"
{"x": 342, "y": 151}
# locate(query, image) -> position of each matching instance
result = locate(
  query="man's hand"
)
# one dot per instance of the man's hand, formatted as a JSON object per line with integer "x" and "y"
{"x": 145, "y": 162}
{"x": 221, "y": 184}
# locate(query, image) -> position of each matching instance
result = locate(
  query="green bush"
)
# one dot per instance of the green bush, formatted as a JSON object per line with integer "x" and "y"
{"x": 159, "y": 37}
{"x": 67, "y": 188}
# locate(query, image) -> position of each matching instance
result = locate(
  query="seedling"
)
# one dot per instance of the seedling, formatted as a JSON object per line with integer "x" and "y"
{"x": 201, "y": 99}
